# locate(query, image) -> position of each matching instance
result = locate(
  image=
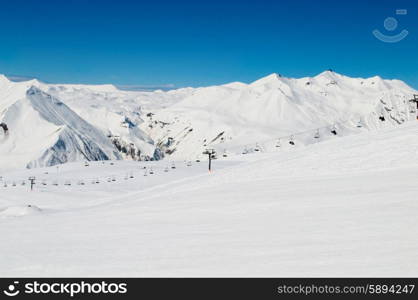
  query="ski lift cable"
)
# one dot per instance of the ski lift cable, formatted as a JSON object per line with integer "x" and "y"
{"x": 89, "y": 179}
{"x": 332, "y": 125}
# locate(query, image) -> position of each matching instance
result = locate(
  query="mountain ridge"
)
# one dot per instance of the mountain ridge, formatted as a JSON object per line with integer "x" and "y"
{"x": 180, "y": 124}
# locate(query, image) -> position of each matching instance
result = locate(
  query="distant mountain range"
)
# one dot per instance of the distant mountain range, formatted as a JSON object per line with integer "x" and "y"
{"x": 56, "y": 123}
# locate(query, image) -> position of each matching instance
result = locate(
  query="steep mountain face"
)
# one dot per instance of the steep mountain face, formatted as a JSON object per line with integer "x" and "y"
{"x": 77, "y": 139}
{"x": 52, "y": 124}
{"x": 118, "y": 114}
{"x": 46, "y": 131}
{"x": 43, "y": 131}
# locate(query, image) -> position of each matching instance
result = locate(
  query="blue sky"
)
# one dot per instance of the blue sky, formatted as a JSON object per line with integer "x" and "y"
{"x": 199, "y": 43}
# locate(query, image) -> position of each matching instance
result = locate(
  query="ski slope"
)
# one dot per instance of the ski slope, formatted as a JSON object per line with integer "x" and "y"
{"x": 340, "y": 207}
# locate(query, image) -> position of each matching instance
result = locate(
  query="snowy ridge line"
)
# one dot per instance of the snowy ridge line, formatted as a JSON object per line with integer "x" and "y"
{"x": 301, "y": 106}
{"x": 64, "y": 121}
{"x": 138, "y": 125}
{"x": 35, "y": 91}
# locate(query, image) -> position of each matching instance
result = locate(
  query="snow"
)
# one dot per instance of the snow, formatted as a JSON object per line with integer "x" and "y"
{"x": 44, "y": 131}
{"x": 340, "y": 207}
{"x": 340, "y": 204}
{"x": 278, "y": 107}
{"x": 19, "y": 211}
{"x": 181, "y": 124}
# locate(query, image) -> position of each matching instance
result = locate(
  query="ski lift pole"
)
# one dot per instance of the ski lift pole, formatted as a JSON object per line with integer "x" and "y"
{"x": 209, "y": 152}
{"x": 32, "y": 182}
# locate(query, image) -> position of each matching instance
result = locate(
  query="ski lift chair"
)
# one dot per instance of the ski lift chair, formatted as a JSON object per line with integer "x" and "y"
{"x": 5, "y": 128}
{"x": 257, "y": 147}
{"x": 291, "y": 140}
{"x": 334, "y": 130}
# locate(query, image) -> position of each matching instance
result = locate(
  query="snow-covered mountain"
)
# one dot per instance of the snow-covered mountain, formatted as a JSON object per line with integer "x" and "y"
{"x": 44, "y": 132}
{"x": 242, "y": 118}
{"x": 50, "y": 123}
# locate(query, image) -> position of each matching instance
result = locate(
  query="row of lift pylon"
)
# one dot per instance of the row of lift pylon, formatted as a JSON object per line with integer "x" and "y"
{"x": 334, "y": 128}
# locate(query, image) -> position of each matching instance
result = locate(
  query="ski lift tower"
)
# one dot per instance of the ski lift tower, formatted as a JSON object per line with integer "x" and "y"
{"x": 211, "y": 154}
{"x": 415, "y": 100}
{"x": 32, "y": 182}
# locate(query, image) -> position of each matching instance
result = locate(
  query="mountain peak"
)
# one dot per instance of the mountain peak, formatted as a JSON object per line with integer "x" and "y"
{"x": 330, "y": 74}
{"x": 3, "y": 78}
{"x": 274, "y": 77}
{"x": 33, "y": 90}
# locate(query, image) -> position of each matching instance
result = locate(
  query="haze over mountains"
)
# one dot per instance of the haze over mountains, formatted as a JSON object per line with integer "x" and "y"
{"x": 51, "y": 124}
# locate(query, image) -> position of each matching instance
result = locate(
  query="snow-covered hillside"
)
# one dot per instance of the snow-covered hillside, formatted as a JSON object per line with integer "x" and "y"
{"x": 270, "y": 112}
{"x": 43, "y": 131}
{"x": 344, "y": 207}
{"x": 101, "y": 122}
